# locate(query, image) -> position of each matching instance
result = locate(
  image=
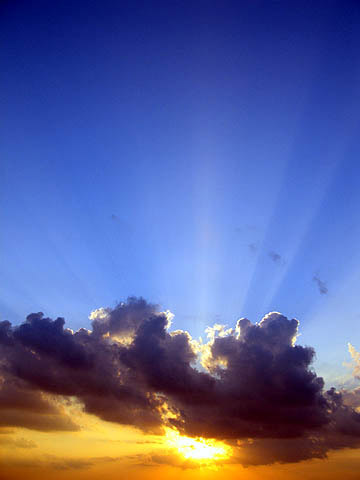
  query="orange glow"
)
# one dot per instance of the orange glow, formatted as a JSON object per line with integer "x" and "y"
{"x": 200, "y": 449}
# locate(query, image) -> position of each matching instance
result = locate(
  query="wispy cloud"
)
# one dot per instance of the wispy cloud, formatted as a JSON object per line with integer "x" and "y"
{"x": 246, "y": 228}
{"x": 15, "y": 442}
{"x": 253, "y": 247}
{"x": 321, "y": 285}
{"x": 275, "y": 257}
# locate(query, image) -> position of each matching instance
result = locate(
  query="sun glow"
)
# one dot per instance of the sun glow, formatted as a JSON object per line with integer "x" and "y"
{"x": 199, "y": 449}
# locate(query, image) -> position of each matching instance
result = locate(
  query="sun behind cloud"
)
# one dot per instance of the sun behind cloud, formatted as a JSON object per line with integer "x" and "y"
{"x": 203, "y": 450}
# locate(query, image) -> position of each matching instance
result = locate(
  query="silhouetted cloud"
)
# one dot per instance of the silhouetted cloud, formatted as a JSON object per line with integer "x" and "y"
{"x": 321, "y": 285}
{"x": 23, "y": 406}
{"x": 255, "y": 382}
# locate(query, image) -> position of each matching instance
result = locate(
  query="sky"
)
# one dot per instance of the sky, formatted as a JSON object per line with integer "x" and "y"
{"x": 202, "y": 156}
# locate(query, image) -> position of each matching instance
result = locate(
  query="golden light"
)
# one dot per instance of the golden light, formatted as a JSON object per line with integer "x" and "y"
{"x": 199, "y": 449}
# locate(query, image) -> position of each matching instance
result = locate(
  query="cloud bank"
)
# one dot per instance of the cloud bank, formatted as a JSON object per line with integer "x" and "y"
{"x": 250, "y": 385}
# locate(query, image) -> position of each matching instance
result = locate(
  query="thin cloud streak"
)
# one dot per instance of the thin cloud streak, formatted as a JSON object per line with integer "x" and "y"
{"x": 321, "y": 285}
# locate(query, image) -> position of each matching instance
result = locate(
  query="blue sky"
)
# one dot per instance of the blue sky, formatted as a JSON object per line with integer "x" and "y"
{"x": 146, "y": 145}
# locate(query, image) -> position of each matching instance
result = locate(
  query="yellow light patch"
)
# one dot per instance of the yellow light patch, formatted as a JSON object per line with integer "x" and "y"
{"x": 200, "y": 449}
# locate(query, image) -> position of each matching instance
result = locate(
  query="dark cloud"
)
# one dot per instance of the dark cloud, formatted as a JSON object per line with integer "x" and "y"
{"x": 124, "y": 319}
{"x": 321, "y": 285}
{"x": 23, "y": 406}
{"x": 33, "y": 421}
{"x": 269, "y": 451}
{"x": 275, "y": 257}
{"x": 256, "y": 387}
{"x": 253, "y": 247}
{"x": 266, "y": 388}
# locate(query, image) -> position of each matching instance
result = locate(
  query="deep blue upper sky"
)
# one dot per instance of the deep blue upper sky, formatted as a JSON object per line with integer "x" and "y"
{"x": 146, "y": 145}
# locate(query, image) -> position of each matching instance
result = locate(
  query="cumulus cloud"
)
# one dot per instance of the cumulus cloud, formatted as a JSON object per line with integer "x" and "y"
{"x": 355, "y": 355}
{"x": 250, "y": 385}
{"x": 352, "y": 397}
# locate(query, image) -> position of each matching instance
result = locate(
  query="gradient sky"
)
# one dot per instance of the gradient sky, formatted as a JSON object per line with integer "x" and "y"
{"x": 203, "y": 155}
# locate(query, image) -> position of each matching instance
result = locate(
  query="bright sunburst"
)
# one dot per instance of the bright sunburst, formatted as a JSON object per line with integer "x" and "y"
{"x": 200, "y": 449}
